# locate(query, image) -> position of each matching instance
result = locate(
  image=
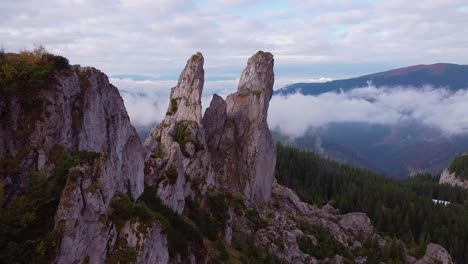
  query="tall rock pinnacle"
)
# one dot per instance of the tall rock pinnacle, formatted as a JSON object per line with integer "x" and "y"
{"x": 258, "y": 76}
{"x": 176, "y": 151}
{"x": 242, "y": 148}
{"x": 186, "y": 96}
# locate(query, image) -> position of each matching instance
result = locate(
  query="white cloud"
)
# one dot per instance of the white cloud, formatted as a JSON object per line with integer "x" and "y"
{"x": 438, "y": 108}
{"x": 156, "y": 37}
{"x": 147, "y": 101}
{"x": 280, "y": 83}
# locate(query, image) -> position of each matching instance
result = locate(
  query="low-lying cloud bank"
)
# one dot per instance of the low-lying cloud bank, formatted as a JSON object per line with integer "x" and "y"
{"x": 147, "y": 102}
{"x": 439, "y": 108}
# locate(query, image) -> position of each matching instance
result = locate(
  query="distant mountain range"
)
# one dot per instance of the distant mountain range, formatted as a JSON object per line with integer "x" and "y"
{"x": 394, "y": 150}
{"x": 450, "y": 76}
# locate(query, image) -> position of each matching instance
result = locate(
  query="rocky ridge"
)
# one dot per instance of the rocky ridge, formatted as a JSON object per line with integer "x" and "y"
{"x": 451, "y": 178}
{"x": 214, "y": 177}
{"x": 82, "y": 111}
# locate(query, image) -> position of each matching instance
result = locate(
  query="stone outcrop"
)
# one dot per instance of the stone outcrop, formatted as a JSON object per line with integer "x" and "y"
{"x": 81, "y": 110}
{"x": 105, "y": 128}
{"x": 435, "y": 254}
{"x": 287, "y": 220}
{"x": 176, "y": 158}
{"x": 241, "y": 144}
{"x": 451, "y": 178}
{"x": 151, "y": 243}
{"x": 357, "y": 223}
{"x": 185, "y": 101}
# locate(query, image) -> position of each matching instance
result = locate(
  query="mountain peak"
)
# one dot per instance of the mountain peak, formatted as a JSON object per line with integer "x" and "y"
{"x": 258, "y": 76}
{"x": 185, "y": 97}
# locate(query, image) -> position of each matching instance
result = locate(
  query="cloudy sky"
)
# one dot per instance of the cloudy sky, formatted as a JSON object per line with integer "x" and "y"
{"x": 311, "y": 40}
{"x": 433, "y": 107}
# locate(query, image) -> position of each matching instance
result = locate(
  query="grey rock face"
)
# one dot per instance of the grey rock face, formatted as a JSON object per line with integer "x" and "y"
{"x": 213, "y": 122}
{"x": 357, "y": 223}
{"x": 176, "y": 152}
{"x": 450, "y": 178}
{"x": 104, "y": 127}
{"x": 435, "y": 254}
{"x": 241, "y": 144}
{"x": 150, "y": 243}
{"x": 288, "y": 220}
{"x": 186, "y": 96}
{"x": 81, "y": 111}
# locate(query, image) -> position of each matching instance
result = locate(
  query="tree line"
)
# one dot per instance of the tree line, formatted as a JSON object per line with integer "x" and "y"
{"x": 398, "y": 209}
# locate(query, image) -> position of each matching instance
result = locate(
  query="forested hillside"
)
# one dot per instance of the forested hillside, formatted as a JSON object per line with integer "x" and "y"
{"x": 459, "y": 166}
{"x": 402, "y": 209}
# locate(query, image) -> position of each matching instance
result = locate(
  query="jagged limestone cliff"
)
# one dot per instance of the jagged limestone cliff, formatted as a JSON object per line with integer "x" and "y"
{"x": 200, "y": 189}
{"x": 176, "y": 157}
{"x": 238, "y": 136}
{"x": 76, "y": 112}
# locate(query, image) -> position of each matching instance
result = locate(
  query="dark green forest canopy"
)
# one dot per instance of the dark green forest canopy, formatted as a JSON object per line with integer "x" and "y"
{"x": 402, "y": 209}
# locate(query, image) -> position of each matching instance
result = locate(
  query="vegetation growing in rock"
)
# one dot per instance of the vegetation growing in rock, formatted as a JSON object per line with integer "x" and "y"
{"x": 459, "y": 166}
{"x": 23, "y": 76}
{"x": 402, "y": 209}
{"x": 221, "y": 254}
{"x": 326, "y": 246}
{"x": 9, "y": 166}
{"x": 185, "y": 232}
{"x": 180, "y": 233}
{"x": 255, "y": 219}
{"x": 158, "y": 152}
{"x": 122, "y": 253}
{"x": 27, "y": 220}
{"x": 25, "y": 73}
{"x": 182, "y": 134}
{"x": 125, "y": 209}
{"x": 210, "y": 219}
{"x": 147, "y": 210}
{"x": 173, "y": 107}
{"x": 251, "y": 253}
{"x": 172, "y": 175}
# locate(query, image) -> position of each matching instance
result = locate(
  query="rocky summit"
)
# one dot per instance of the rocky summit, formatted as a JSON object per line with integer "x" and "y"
{"x": 239, "y": 139}
{"x": 200, "y": 189}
